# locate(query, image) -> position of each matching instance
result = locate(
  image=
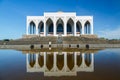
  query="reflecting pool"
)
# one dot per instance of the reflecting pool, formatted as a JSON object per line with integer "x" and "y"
{"x": 60, "y": 65}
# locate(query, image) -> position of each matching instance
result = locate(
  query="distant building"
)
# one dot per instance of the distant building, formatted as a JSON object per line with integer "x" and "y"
{"x": 54, "y": 23}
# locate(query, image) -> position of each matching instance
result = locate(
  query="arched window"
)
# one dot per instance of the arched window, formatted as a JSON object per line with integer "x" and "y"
{"x": 40, "y": 27}
{"x": 50, "y": 28}
{"x": 87, "y": 28}
{"x": 70, "y": 26}
{"x": 32, "y": 28}
{"x": 60, "y": 28}
{"x": 49, "y": 25}
{"x": 78, "y": 27}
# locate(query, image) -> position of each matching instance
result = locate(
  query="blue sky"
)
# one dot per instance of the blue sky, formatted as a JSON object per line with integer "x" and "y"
{"x": 13, "y": 14}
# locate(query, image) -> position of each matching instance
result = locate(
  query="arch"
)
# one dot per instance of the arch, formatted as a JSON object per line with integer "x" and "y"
{"x": 88, "y": 59}
{"x": 70, "y": 26}
{"x": 79, "y": 59}
{"x": 60, "y": 26}
{"x": 32, "y": 28}
{"x": 31, "y": 58}
{"x": 40, "y": 28}
{"x": 40, "y": 60}
{"x": 87, "y": 27}
{"x": 70, "y": 60}
{"x": 49, "y": 24}
{"x": 60, "y": 61}
{"x": 49, "y": 61}
{"x": 78, "y": 27}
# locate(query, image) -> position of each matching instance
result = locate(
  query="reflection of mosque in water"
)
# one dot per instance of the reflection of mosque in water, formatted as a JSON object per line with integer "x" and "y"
{"x": 59, "y": 64}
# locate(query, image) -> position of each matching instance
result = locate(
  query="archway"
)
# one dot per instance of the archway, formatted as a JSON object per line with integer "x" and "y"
{"x": 79, "y": 59}
{"x": 31, "y": 58}
{"x": 60, "y": 28}
{"x": 78, "y": 28}
{"x": 41, "y": 28}
{"x": 87, "y": 28}
{"x": 32, "y": 28}
{"x": 49, "y": 27}
{"x": 60, "y": 61}
{"x": 70, "y": 60}
{"x": 70, "y": 27}
{"x": 88, "y": 59}
{"x": 40, "y": 60}
{"x": 49, "y": 61}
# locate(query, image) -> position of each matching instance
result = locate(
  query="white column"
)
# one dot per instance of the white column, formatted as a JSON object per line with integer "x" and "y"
{"x": 27, "y": 25}
{"x": 75, "y": 59}
{"x": 87, "y": 28}
{"x": 36, "y": 28}
{"x": 44, "y": 28}
{"x": 55, "y": 28}
{"x": 36, "y": 61}
{"x": 65, "y": 60}
{"x": 44, "y": 60}
{"x": 27, "y": 60}
{"x": 92, "y": 61}
{"x": 83, "y": 60}
{"x": 82, "y": 28}
{"x": 55, "y": 61}
{"x": 54, "y": 22}
{"x": 65, "y": 27}
{"x": 91, "y": 27}
{"x": 74, "y": 28}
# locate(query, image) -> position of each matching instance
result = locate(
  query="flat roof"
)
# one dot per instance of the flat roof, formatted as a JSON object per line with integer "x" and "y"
{"x": 59, "y": 13}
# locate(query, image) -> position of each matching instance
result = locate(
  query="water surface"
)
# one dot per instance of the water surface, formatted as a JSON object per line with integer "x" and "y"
{"x": 100, "y": 65}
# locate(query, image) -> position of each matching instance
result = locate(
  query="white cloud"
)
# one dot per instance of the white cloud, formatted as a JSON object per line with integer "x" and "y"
{"x": 110, "y": 34}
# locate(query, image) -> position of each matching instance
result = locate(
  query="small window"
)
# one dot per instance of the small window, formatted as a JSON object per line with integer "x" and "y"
{"x": 78, "y": 46}
{"x": 41, "y": 46}
{"x": 49, "y": 45}
{"x": 69, "y": 45}
{"x": 31, "y": 46}
{"x": 87, "y": 46}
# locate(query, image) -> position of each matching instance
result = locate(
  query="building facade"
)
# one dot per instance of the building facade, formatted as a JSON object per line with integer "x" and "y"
{"x": 54, "y": 23}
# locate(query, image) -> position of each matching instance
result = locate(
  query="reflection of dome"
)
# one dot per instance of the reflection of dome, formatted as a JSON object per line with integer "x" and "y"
{"x": 32, "y": 60}
{"x": 41, "y": 60}
{"x": 70, "y": 61}
{"x": 87, "y": 59}
{"x": 60, "y": 61}
{"x": 79, "y": 59}
{"x": 49, "y": 61}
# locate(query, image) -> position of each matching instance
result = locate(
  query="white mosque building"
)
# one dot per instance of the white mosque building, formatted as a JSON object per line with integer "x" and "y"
{"x": 64, "y": 23}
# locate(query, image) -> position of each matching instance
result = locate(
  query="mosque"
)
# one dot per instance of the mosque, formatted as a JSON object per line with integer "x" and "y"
{"x": 55, "y": 23}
